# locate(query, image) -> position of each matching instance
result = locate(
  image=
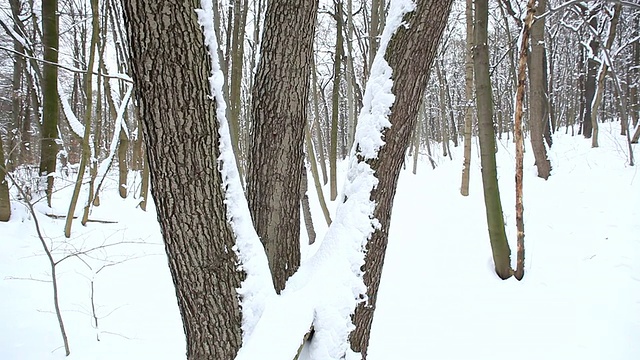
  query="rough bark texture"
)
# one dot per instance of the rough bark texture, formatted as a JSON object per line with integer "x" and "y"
{"x": 49, "y": 148}
{"x": 279, "y": 111}
{"x": 410, "y": 54}
{"x": 538, "y": 114}
{"x": 484, "y": 104}
{"x": 170, "y": 67}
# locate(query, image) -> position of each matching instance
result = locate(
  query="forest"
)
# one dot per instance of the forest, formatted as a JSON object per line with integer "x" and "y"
{"x": 244, "y": 179}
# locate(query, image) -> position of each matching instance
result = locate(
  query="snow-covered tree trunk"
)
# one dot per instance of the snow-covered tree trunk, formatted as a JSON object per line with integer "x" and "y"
{"x": 410, "y": 54}
{"x": 170, "y": 67}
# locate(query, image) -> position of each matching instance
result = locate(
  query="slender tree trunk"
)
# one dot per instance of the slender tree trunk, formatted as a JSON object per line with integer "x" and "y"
{"x": 15, "y": 133}
{"x": 493, "y": 205}
{"x": 468, "y": 95}
{"x": 410, "y": 53}
{"x": 5, "y": 204}
{"x": 144, "y": 187}
{"x": 174, "y": 95}
{"x": 538, "y": 114}
{"x": 314, "y": 172}
{"x": 87, "y": 124}
{"x": 416, "y": 144}
{"x": 306, "y": 208}
{"x": 602, "y": 72}
{"x": 280, "y": 98}
{"x": 318, "y": 131}
{"x": 374, "y": 31}
{"x": 443, "y": 113}
{"x": 48, "y": 145}
{"x": 590, "y": 84}
{"x": 527, "y": 31}
{"x": 427, "y": 131}
{"x": 449, "y": 106}
{"x": 237, "y": 61}
{"x": 635, "y": 83}
{"x": 337, "y": 66}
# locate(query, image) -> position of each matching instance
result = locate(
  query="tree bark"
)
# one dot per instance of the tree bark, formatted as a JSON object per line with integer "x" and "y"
{"x": 49, "y": 147}
{"x": 86, "y": 151}
{"x": 590, "y": 83}
{"x": 5, "y": 204}
{"x": 335, "y": 101}
{"x": 181, "y": 134}
{"x": 602, "y": 73}
{"x": 237, "y": 60}
{"x": 314, "y": 172}
{"x": 410, "y": 54}
{"x": 538, "y": 104}
{"x": 468, "y": 95}
{"x": 279, "y": 110}
{"x": 527, "y": 32}
{"x": 484, "y": 104}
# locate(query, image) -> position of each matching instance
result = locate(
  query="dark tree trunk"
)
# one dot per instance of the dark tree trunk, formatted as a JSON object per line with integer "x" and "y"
{"x": 171, "y": 67}
{"x": 538, "y": 104}
{"x": 590, "y": 85}
{"x": 49, "y": 147}
{"x": 410, "y": 54}
{"x": 5, "y": 204}
{"x": 279, "y": 110}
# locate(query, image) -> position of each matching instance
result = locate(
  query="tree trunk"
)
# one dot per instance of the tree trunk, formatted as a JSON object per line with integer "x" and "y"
{"x": 635, "y": 75}
{"x": 493, "y": 205}
{"x": 86, "y": 151}
{"x": 5, "y": 204}
{"x": 306, "y": 208}
{"x": 590, "y": 84}
{"x": 335, "y": 97}
{"x": 602, "y": 72}
{"x": 174, "y": 96}
{"x": 314, "y": 172}
{"x": 280, "y": 98}
{"x": 237, "y": 61}
{"x": 316, "y": 115}
{"x": 49, "y": 147}
{"x": 517, "y": 132}
{"x": 468, "y": 95}
{"x": 410, "y": 54}
{"x": 416, "y": 144}
{"x": 15, "y": 130}
{"x": 144, "y": 187}
{"x": 538, "y": 104}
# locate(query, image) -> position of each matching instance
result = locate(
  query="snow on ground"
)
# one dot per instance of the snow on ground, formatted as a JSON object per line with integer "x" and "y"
{"x": 439, "y": 298}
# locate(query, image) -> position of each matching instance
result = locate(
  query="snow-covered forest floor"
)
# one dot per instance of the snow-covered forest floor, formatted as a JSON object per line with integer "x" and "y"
{"x": 439, "y": 297}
